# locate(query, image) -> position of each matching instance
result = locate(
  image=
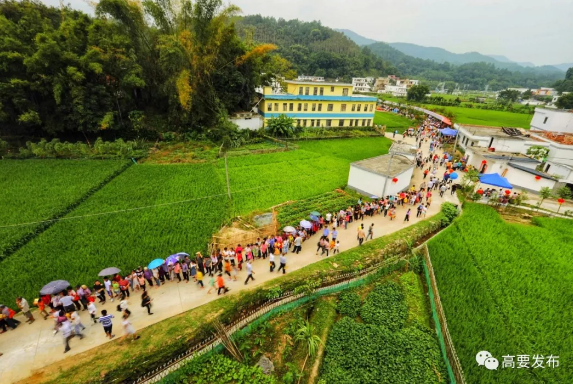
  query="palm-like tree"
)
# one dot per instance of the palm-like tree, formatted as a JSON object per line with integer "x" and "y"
{"x": 306, "y": 335}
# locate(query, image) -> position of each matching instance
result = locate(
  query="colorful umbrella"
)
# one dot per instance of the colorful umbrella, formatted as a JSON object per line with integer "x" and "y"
{"x": 156, "y": 263}
{"x": 454, "y": 176}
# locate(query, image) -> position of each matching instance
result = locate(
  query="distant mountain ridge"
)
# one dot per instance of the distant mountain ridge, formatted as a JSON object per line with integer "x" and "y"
{"x": 358, "y": 39}
{"x": 441, "y": 55}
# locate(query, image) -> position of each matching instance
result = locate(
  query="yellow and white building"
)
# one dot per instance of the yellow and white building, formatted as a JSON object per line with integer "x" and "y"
{"x": 322, "y": 104}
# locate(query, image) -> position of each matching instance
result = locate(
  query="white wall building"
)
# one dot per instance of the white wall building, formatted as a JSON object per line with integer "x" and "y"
{"x": 395, "y": 90}
{"x": 555, "y": 120}
{"x": 362, "y": 84}
{"x": 518, "y": 169}
{"x": 373, "y": 177}
{"x": 247, "y": 120}
{"x": 310, "y": 78}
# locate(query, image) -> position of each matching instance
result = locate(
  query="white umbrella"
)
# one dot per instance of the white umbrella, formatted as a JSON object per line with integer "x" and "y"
{"x": 289, "y": 229}
{"x": 306, "y": 224}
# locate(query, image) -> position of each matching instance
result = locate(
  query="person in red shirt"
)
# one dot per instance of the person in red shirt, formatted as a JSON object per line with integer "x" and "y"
{"x": 124, "y": 288}
{"x": 239, "y": 253}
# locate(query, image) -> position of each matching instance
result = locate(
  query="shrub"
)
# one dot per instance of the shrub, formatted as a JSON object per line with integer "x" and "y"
{"x": 348, "y": 304}
{"x": 385, "y": 306}
{"x": 450, "y": 212}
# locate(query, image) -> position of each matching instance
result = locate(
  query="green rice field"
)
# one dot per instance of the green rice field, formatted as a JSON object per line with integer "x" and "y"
{"x": 393, "y": 121}
{"x": 506, "y": 289}
{"x": 154, "y": 210}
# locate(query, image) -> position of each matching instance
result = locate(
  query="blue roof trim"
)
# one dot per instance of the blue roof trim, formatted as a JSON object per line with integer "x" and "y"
{"x": 296, "y": 115}
{"x": 320, "y": 98}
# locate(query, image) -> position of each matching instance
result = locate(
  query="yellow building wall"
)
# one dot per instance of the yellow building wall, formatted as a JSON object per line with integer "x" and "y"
{"x": 329, "y": 90}
{"x": 320, "y": 107}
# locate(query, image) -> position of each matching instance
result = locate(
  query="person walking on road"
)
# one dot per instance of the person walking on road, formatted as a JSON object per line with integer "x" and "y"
{"x": 297, "y": 244}
{"x": 67, "y": 334}
{"x": 25, "y": 308}
{"x": 361, "y": 236}
{"x": 221, "y": 285}
{"x": 407, "y": 218}
{"x": 146, "y": 302}
{"x": 250, "y": 272}
{"x": 282, "y": 265}
{"x": 105, "y": 320}
{"x": 370, "y": 232}
{"x": 128, "y": 328}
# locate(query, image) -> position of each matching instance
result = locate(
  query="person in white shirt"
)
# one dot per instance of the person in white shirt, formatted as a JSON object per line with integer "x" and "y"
{"x": 66, "y": 329}
{"x": 92, "y": 310}
{"x": 107, "y": 285}
{"x": 328, "y": 217}
{"x": 250, "y": 272}
{"x": 77, "y": 323}
{"x": 272, "y": 261}
{"x": 128, "y": 328}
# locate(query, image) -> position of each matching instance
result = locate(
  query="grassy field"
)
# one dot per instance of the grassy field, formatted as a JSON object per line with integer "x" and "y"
{"x": 393, "y": 121}
{"x": 487, "y": 117}
{"x": 34, "y": 190}
{"x": 505, "y": 289}
{"x": 152, "y": 210}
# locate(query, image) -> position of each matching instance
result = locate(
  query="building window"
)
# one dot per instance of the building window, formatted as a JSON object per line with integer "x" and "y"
{"x": 284, "y": 107}
{"x": 343, "y": 108}
{"x": 269, "y": 107}
{"x": 291, "y": 107}
{"x": 300, "y": 91}
{"x": 371, "y": 107}
{"x": 321, "y": 91}
{"x": 299, "y": 107}
{"x": 359, "y": 106}
{"x": 315, "y": 91}
{"x": 331, "y": 89}
{"x": 356, "y": 122}
{"x": 306, "y": 90}
{"x": 319, "y": 107}
{"x": 364, "y": 122}
{"x": 351, "y": 122}
{"x": 313, "y": 107}
{"x": 330, "y": 107}
{"x": 328, "y": 123}
{"x": 345, "y": 92}
{"x": 305, "y": 107}
{"x": 353, "y": 107}
{"x": 341, "y": 123}
{"x": 545, "y": 120}
{"x": 298, "y": 122}
{"x": 312, "y": 123}
{"x": 276, "y": 107}
{"x": 369, "y": 124}
{"x": 547, "y": 168}
{"x": 304, "y": 123}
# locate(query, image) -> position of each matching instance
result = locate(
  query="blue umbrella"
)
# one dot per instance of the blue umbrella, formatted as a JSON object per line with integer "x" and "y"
{"x": 156, "y": 263}
{"x": 453, "y": 176}
{"x": 306, "y": 224}
{"x": 314, "y": 218}
{"x": 315, "y": 213}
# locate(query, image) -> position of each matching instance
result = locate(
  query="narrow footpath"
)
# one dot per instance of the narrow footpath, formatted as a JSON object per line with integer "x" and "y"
{"x": 31, "y": 347}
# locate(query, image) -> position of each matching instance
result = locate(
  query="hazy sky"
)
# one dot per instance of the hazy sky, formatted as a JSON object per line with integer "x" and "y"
{"x": 540, "y": 32}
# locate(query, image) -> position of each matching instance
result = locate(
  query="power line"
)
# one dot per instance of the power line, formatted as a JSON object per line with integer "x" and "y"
{"x": 156, "y": 205}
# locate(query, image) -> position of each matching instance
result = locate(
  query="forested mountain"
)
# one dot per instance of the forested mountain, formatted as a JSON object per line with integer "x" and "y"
{"x": 358, "y": 39}
{"x": 441, "y": 55}
{"x": 131, "y": 68}
{"x": 475, "y": 75}
{"x": 313, "y": 48}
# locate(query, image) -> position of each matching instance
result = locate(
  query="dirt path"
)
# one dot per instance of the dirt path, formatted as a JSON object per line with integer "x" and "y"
{"x": 31, "y": 347}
